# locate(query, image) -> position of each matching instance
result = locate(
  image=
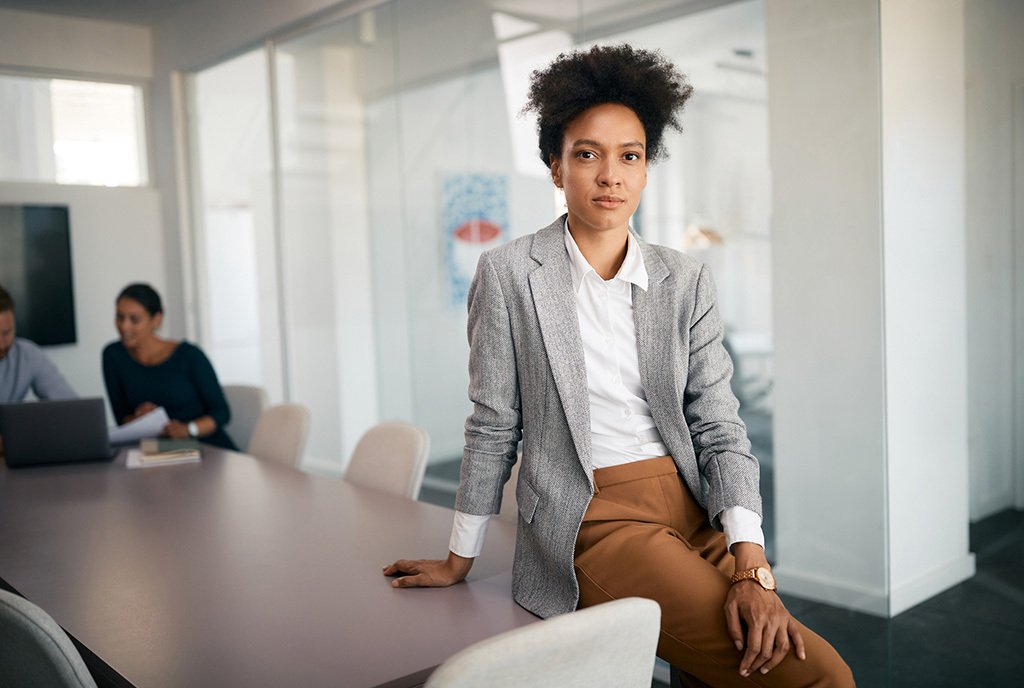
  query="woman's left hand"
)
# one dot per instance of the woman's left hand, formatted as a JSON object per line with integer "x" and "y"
{"x": 771, "y": 629}
{"x": 176, "y": 430}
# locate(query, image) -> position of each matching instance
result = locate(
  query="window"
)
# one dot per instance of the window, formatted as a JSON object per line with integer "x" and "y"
{"x": 72, "y": 132}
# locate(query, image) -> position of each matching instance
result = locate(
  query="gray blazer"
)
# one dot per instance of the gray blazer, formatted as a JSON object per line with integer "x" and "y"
{"x": 528, "y": 381}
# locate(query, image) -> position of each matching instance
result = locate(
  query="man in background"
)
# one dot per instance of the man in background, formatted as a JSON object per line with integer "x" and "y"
{"x": 24, "y": 366}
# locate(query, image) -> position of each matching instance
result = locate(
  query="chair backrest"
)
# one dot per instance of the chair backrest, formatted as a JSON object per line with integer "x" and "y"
{"x": 280, "y": 434}
{"x": 391, "y": 456}
{"x": 34, "y": 650}
{"x": 610, "y": 644}
{"x": 246, "y": 402}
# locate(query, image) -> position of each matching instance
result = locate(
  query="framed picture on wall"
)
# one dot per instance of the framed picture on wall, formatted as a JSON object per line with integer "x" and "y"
{"x": 474, "y": 218}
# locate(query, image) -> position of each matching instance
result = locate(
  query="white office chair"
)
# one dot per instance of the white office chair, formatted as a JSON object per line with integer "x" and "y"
{"x": 280, "y": 434}
{"x": 246, "y": 402}
{"x": 392, "y": 457}
{"x": 610, "y": 645}
{"x": 34, "y": 650}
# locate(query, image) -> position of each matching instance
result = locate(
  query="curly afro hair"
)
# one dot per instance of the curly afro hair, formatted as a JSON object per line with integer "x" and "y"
{"x": 645, "y": 81}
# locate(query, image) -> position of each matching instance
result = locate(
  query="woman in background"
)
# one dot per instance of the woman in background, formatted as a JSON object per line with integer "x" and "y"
{"x": 143, "y": 371}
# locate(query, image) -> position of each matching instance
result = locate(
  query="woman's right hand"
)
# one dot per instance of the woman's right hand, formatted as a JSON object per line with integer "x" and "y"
{"x": 428, "y": 573}
{"x": 141, "y": 410}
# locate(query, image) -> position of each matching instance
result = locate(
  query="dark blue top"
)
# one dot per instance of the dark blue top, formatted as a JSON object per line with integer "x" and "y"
{"x": 185, "y": 385}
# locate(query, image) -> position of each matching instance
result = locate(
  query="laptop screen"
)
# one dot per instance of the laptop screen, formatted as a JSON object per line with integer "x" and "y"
{"x": 44, "y": 432}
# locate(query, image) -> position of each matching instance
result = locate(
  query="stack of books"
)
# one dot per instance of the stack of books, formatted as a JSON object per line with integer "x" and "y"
{"x": 164, "y": 452}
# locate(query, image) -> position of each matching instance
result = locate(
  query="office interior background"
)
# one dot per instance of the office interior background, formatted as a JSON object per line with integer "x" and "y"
{"x": 290, "y": 176}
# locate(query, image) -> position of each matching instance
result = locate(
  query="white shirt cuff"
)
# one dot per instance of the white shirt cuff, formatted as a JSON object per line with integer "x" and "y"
{"x": 468, "y": 533}
{"x": 740, "y": 525}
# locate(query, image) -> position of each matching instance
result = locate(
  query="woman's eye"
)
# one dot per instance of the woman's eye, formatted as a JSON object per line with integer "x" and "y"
{"x": 586, "y": 155}
{"x": 631, "y": 156}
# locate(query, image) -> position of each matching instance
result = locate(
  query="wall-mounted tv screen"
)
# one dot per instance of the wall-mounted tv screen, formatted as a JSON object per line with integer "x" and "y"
{"x": 35, "y": 268}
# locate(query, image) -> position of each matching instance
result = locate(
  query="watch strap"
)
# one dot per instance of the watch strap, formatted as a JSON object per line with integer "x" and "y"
{"x": 746, "y": 574}
{"x": 759, "y": 575}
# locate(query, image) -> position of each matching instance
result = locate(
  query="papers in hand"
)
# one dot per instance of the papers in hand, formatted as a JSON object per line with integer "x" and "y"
{"x": 149, "y": 425}
{"x": 163, "y": 453}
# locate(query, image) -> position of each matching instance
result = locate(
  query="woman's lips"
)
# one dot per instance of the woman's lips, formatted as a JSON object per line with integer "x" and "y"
{"x": 609, "y": 202}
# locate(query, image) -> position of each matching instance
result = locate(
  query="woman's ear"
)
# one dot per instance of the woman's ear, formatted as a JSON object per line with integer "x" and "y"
{"x": 556, "y": 171}
{"x": 158, "y": 320}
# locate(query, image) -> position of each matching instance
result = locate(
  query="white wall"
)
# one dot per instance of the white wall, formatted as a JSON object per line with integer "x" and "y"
{"x": 925, "y": 296}
{"x": 870, "y": 424}
{"x": 51, "y": 43}
{"x": 1018, "y": 287}
{"x": 116, "y": 233}
{"x": 825, "y": 137}
{"x": 995, "y": 67}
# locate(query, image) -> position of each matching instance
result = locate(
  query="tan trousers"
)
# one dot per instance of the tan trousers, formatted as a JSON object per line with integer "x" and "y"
{"x": 645, "y": 535}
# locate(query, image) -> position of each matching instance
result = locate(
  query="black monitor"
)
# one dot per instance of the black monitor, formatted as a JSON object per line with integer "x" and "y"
{"x": 35, "y": 268}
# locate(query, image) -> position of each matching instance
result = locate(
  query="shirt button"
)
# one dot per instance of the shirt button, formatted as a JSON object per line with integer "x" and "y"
{"x": 615, "y": 379}
{"x": 627, "y": 413}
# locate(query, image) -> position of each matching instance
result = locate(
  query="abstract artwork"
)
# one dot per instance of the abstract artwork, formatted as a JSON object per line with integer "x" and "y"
{"x": 474, "y": 218}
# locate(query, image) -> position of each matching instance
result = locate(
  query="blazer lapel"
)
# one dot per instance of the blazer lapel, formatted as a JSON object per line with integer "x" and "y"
{"x": 655, "y": 340}
{"x": 555, "y": 303}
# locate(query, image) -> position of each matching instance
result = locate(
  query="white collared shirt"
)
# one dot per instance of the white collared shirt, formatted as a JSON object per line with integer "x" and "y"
{"x": 622, "y": 428}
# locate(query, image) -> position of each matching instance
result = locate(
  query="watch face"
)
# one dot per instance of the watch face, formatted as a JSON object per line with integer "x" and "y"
{"x": 765, "y": 578}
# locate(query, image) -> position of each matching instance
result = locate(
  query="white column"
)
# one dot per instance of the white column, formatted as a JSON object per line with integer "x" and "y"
{"x": 923, "y": 137}
{"x": 867, "y": 137}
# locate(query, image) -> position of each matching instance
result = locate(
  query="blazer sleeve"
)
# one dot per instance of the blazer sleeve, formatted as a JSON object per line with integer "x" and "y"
{"x": 712, "y": 411}
{"x": 494, "y": 429}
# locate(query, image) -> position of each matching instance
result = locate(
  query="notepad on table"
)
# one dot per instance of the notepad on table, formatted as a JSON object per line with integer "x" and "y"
{"x": 163, "y": 452}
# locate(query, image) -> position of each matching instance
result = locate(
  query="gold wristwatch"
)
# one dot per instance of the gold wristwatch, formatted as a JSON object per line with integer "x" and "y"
{"x": 760, "y": 574}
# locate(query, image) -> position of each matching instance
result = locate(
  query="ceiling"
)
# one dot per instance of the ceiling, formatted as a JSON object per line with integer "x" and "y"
{"x": 152, "y": 11}
{"x": 124, "y": 11}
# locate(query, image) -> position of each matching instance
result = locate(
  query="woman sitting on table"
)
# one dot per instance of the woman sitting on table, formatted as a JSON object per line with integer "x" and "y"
{"x": 604, "y": 354}
{"x": 143, "y": 371}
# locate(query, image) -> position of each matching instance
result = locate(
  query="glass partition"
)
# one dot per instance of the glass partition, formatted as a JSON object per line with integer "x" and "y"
{"x": 402, "y": 155}
{"x": 236, "y": 247}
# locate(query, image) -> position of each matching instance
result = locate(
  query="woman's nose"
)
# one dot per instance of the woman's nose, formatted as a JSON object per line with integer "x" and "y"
{"x": 609, "y": 175}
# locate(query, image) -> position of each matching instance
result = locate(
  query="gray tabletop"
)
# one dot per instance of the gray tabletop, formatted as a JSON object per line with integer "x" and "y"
{"x": 240, "y": 572}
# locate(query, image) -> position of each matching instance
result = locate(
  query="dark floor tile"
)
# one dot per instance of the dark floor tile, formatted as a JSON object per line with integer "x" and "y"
{"x": 988, "y": 597}
{"x": 996, "y": 531}
{"x": 798, "y": 605}
{"x": 862, "y": 640}
{"x": 436, "y": 496}
{"x": 446, "y": 470}
{"x": 931, "y": 648}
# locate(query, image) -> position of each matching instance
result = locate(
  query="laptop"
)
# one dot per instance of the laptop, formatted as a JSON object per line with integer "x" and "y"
{"x": 37, "y": 433}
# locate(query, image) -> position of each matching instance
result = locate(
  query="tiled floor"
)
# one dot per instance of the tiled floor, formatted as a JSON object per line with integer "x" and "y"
{"x": 969, "y": 636}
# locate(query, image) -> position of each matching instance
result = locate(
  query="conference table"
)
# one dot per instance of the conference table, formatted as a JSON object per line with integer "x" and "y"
{"x": 240, "y": 572}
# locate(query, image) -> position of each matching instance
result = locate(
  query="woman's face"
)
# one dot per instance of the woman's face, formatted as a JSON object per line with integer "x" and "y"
{"x": 603, "y": 168}
{"x": 134, "y": 323}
